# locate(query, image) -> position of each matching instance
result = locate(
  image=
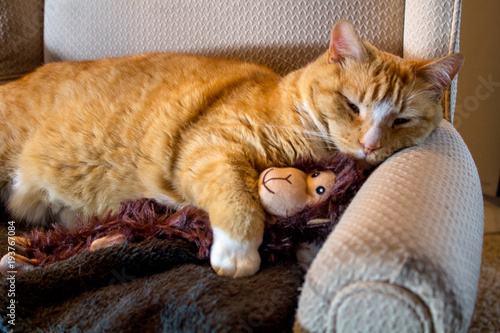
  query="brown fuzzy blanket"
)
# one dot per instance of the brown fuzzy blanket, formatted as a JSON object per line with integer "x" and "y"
{"x": 154, "y": 286}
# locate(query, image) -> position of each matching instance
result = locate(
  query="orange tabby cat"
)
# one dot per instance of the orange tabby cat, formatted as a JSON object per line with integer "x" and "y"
{"x": 81, "y": 137}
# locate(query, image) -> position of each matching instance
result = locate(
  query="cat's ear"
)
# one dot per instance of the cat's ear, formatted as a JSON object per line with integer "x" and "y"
{"x": 441, "y": 72}
{"x": 345, "y": 44}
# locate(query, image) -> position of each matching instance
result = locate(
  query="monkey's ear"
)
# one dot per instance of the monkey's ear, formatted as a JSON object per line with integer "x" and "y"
{"x": 345, "y": 44}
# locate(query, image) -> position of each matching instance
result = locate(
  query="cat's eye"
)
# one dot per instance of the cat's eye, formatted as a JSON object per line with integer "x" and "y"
{"x": 400, "y": 121}
{"x": 320, "y": 190}
{"x": 353, "y": 107}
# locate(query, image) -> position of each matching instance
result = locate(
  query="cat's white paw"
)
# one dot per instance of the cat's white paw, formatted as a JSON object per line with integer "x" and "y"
{"x": 232, "y": 258}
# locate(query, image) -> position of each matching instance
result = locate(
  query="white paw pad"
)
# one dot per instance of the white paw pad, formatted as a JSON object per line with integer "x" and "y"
{"x": 232, "y": 258}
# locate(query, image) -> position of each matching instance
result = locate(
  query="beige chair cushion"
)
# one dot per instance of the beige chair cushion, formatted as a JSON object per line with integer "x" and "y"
{"x": 281, "y": 34}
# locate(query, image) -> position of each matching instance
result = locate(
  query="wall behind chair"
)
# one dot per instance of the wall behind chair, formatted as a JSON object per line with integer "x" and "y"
{"x": 477, "y": 112}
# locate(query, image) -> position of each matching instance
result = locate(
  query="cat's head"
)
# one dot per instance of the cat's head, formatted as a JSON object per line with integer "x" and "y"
{"x": 371, "y": 103}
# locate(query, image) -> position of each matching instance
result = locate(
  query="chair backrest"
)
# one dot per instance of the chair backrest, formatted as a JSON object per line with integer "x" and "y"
{"x": 282, "y": 34}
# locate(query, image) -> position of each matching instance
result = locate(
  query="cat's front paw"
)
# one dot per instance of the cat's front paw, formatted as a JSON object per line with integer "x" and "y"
{"x": 233, "y": 258}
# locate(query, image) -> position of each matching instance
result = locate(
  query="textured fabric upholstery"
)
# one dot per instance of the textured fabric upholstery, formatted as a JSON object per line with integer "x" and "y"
{"x": 21, "y": 33}
{"x": 282, "y": 34}
{"x": 409, "y": 243}
{"x": 431, "y": 29}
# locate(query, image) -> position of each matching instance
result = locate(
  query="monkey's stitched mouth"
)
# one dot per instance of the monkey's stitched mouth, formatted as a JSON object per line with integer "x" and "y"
{"x": 264, "y": 181}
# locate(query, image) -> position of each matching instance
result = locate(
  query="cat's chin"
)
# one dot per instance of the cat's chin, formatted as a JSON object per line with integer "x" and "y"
{"x": 364, "y": 161}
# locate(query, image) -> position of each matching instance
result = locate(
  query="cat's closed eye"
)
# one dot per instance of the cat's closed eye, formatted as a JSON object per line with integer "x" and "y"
{"x": 400, "y": 121}
{"x": 353, "y": 107}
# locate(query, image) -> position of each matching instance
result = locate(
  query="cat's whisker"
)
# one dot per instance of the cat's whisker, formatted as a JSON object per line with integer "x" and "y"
{"x": 319, "y": 135}
{"x": 288, "y": 62}
{"x": 324, "y": 137}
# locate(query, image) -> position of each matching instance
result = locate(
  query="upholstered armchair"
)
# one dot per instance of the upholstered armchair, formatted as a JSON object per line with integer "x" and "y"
{"x": 406, "y": 254}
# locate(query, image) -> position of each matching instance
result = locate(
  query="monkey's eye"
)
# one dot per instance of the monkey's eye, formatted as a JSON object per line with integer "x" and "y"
{"x": 314, "y": 175}
{"x": 320, "y": 190}
{"x": 354, "y": 108}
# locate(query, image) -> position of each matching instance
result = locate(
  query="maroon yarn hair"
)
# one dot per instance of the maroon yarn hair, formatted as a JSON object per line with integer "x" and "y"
{"x": 145, "y": 218}
{"x": 136, "y": 220}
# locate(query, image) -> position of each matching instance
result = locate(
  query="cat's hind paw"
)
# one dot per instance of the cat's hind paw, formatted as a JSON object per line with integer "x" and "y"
{"x": 107, "y": 241}
{"x": 233, "y": 258}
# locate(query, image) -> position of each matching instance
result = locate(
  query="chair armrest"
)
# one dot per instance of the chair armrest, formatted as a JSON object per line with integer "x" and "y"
{"x": 405, "y": 256}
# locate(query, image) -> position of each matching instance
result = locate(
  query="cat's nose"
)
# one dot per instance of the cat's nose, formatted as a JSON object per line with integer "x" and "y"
{"x": 369, "y": 148}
